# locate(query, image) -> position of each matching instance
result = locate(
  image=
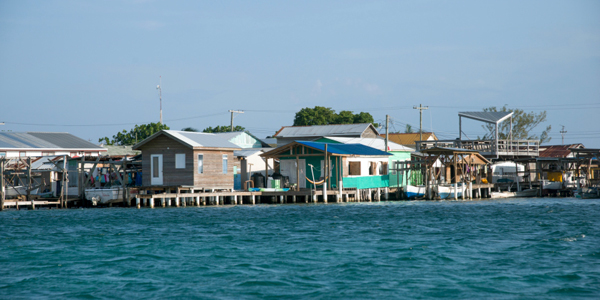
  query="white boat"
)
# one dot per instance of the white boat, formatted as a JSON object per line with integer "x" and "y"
{"x": 521, "y": 194}
{"x": 447, "y": 191}
{"x": 587, "y": 193}
{"x": 415, "y": 191}
{"x": 106, "y": 195}
{"x": 551, "y": 185}
{"x": 15, "y": 191}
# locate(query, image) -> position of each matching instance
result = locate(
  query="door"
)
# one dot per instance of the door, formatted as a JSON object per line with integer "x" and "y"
{"x": 156, "y": 169}
{"x": 288, "y": 168}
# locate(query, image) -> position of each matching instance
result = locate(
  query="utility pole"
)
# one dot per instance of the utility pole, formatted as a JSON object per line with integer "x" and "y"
{"x": 387, "y": 131}
{"x": 562, "y": 132}
{"x": 159, "y": 88}
{"x": 420, "y": 108}
{"x": 232, "y": 112}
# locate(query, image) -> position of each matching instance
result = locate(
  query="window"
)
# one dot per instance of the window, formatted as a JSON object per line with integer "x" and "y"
{"x": 224, "y": 163}
{"x": 22, "y": 154}
{"x": 2, "y": 154}
{"x": 200, "y": 163}
{"x": 180, "y": 161}
{"x": 383, "y": 168}
{"x": 354, "y": 168}
{"x": 373, "y": 168}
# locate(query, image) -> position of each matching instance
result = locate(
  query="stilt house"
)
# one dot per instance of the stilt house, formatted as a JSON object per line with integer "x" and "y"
{"x": 180, "y": 158}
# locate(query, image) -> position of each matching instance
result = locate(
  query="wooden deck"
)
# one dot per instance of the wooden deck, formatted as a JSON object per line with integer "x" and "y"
{"x": 523, "y": 148}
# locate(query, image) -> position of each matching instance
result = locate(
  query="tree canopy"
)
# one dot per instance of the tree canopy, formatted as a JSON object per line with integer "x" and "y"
{"x": 136, "y": 134}
{"x": 190, "y": 129}
{"x": 223, "y": 128}
{"x": 320, "y": 115}
{"x": 523, "y": 124}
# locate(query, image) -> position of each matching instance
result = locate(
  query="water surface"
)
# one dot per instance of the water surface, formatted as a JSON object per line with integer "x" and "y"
{"x": 514, "y": 248}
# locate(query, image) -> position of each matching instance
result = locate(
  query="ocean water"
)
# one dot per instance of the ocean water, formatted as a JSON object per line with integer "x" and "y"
{"x": 500, "y": 249}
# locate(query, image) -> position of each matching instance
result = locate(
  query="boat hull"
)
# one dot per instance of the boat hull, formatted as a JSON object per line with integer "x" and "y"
{"x": 413, "y": 192}
{"x": 447, "y": 192}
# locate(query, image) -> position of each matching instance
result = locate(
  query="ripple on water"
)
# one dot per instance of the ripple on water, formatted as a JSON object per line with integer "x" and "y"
{"x": 521, "y": 248}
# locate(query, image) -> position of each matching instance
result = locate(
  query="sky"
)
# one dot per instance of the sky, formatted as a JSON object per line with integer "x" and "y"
{"x": 91, "y": 68}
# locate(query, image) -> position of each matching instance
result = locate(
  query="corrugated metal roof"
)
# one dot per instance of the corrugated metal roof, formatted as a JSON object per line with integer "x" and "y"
{"x": 44, "y": 140}
{"x": 487, "y": 116}
{"x": 409, "y": 138}
{"x": 250, "y": 152}
{"x": 201, "y": 139}
{"x": 322, "y": 130}
{"x": 378, "y": 143}
{"x": 347, "y": 149}
{"x": 558, "y": 150}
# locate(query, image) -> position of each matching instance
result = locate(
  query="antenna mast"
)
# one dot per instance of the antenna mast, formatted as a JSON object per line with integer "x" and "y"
{"x": 562, "y": 132}
{"x": 159, "y": 88}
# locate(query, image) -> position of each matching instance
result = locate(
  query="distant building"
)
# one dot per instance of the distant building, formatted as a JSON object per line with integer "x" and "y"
{"x": 37, "y": 144}
{"x": 410, "y": 139}
{"x": 288, "y": 134}
{"x": 243, "y": 139}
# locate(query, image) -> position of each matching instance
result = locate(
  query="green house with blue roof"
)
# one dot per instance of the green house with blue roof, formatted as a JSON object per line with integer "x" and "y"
{"x": 310, "y": 164}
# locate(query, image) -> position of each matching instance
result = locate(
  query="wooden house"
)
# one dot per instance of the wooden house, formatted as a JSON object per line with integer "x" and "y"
{"x": 288, "y": 134}
{"x": 248, "y": 159}
{"x": 181, "y": 158}
{"x": 340, "y": 165}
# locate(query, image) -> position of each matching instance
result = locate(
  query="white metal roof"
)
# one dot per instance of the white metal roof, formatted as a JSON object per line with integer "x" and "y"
{"x": 487, "y": 116}
{"x": 45, "y": 140}
{"x": 377, "y": 143}
{"x": 193, "y": 139}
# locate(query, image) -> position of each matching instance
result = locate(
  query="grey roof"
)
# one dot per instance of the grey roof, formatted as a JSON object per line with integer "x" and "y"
{"x": 44, "y": 140}
{"x": 487, "y": 116}
{"x": 193, "y": 139}
{"x": 323, "y": 130}
{"x": 118, "y": 150}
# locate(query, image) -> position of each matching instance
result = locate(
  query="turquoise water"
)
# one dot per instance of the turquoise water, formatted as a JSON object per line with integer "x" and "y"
{"x": 519, "y": 248}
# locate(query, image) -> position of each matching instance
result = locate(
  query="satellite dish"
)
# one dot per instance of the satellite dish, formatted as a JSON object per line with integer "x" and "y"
{"x": 158, "y": 86}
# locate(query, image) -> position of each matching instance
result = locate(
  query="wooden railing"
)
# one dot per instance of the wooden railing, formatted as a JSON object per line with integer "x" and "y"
{"x": 488, "y": 147}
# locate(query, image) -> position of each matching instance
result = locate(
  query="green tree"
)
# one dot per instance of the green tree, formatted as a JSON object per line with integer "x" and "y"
{"x": 136, "y": 134}
{"x": 408, "y": 129}
{"x": 345, "y": 117}
{"x": 325, "y": 115}
{"x": 190, "y": 129}
{"x": 522, "y": 125}
{"x": 315, "y": 116}
{"x": 224, "y": 128}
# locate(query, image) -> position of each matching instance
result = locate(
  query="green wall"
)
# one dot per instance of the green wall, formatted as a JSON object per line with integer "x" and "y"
{"x": 367, "y": 182}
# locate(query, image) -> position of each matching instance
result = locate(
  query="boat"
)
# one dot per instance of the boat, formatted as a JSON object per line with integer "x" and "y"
{"x": 106, "y": 195}
{"x": 16, "y": 191}
{"x": 415, "y": 191}
{"x": 521, "y": 194}
{"x": 447, "y": 191}
{"x": 587, "y": 193}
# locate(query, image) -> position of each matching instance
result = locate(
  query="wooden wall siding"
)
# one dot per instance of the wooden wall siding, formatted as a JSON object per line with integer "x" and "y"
{"x": 213, "y": 177}
{"x": 171, "y": 176}
{"x": 369, "y": 134}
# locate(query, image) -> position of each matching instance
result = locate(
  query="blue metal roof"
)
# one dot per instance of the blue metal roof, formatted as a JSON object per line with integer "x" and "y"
{"x": 345, "y": 149}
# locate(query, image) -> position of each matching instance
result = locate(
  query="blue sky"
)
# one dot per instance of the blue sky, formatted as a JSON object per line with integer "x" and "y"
{"x": 91, "y": 67}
